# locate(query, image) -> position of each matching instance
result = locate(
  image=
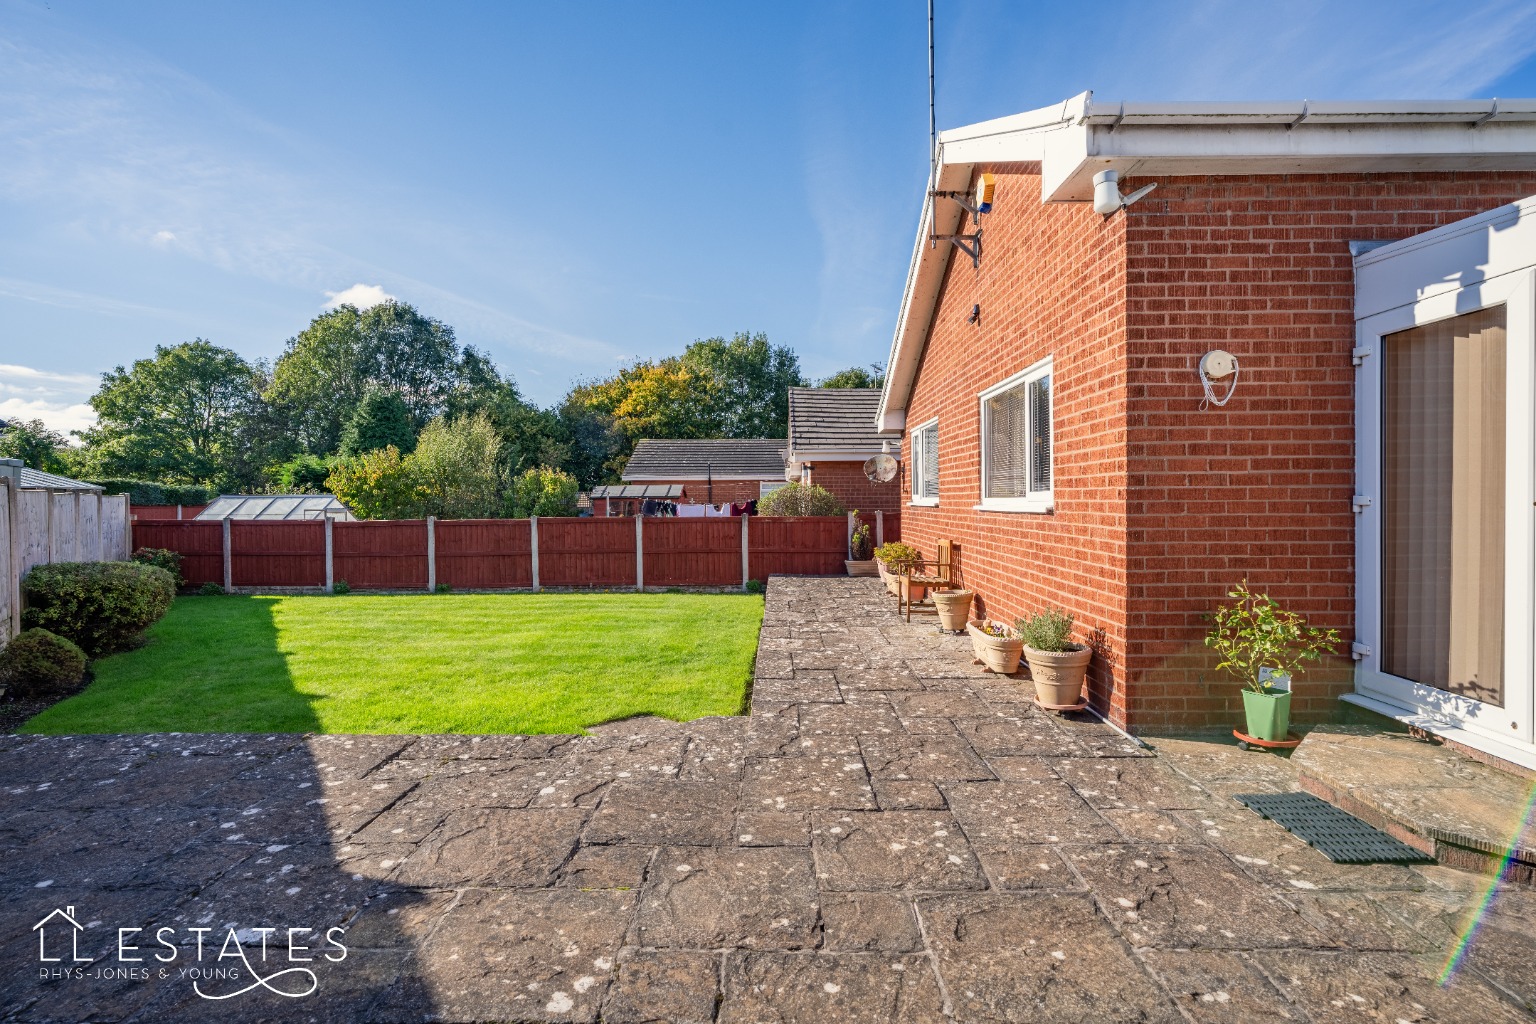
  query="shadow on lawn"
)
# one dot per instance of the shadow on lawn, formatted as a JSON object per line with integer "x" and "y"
{"x": 213, "y": 846}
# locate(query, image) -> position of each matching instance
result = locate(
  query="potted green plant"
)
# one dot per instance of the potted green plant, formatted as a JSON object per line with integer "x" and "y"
{"x": 1258, "y": 643}
{"x": 1057, "y": 664}
{"x": 890, "y": 559}
{"x": 861, "y": 558}
{"x": 995, "y": 645}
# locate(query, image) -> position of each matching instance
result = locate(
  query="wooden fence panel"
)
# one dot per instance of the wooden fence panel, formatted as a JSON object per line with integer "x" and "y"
{"x": 484, "y": 553}
{"x": 380, "y": 554}
{"x": 892, "y": 526}
{"x": 116, "y": 530}
{"x": 32, "y": 514}
{"x": 283, "y": 554}
{"x": 10, "y": 594}
{"x": 201, "y": 546}
{"x": 797, "y": 545}
{"x": 692, "y": 552}
{"x": 88, "y": 528}
{"x": 587, "y": 553}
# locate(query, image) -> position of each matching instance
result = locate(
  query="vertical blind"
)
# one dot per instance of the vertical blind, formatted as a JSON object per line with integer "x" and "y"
{"x": 1443, "y": 514}
{"x": 928, "y": 462}
{"x": 1019, "y": 440}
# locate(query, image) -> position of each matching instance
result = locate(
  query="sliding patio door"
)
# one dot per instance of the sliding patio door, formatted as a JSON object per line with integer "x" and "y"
{"x": 1445, "y": 394}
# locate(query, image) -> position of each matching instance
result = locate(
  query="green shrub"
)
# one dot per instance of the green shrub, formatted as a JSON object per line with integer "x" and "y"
{"x": 305, "y": 474}
{"x": 377, "y": 485}
{"x": 895, "y": 554}
{"x": 37, "y": 663}
{"x": 860, "y": 547}
{"x": 1254, "y": 633}
{"x": 542, "y": 491}
{"x": 210, "y": 589}
{"x": 1051, "y": 630}
{"x": 340, "y": 587}
{"x": 443, "y": 588}
{"x": 800, "y": 500}
{"x": 165, "y": 558}
{"x": 755, "y": 586}
{"x": 147, "y": 492}
{"x": 101, "y": 606}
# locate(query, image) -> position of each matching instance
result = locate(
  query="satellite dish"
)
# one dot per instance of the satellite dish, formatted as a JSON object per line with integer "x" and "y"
{"x": 881, "y": 468}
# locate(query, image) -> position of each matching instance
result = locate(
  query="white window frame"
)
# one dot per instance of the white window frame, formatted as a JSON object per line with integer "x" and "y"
{"x": 917, "y": 463}
{"x": 1036, "y": 501}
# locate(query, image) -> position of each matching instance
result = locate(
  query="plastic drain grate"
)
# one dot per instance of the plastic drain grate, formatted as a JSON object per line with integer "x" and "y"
{"x": 1337, "y": 835}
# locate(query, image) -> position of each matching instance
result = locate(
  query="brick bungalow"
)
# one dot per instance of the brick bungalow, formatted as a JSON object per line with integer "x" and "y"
{"x": 1054, "y": 425}
{"x": 709, "y": 472}
{"x": 831, "y": 434}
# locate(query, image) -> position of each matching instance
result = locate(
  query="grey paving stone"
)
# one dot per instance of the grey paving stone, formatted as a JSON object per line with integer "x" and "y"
{"x": 869, "y": 922}
{"x": 848, "y": 719}
{"x": 898, "y": 795}
{"x": 807, "y": 783}
{"x": 851, "y": 988}
{"x": 893, "y": 850}
{"x": 659, "y": 813}
{"x": 662, "y": 985}
{"x": 1346, "y": 987}
{"x": 1130, "y": 783}
{"x": 1269, "y": 852}
{"x": 495, "y": 847}
{"x": 607, "y": 867}
{"x": 772, "y": 828}
{"x": 1218, "y": 987}
{"x": 906, "y": 757}
{"x": 1001, "y": 814}
{"x": 1027, "y": 733}
{"x": 399, "y": 919}
{"x": 957, "y": 703}
{"x": 742, "y": 898}
{"x": 1044, "y": 959}
{"x": 866, "y": 677}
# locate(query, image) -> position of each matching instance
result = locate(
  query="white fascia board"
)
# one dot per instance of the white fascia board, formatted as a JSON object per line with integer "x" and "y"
{"x": 892, "y": 422}
{"x": 661, "y": 479}
{"x": 832, "y": 454}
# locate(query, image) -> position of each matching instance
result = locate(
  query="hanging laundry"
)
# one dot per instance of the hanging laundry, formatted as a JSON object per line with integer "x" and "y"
{"x": 691, "y": 511}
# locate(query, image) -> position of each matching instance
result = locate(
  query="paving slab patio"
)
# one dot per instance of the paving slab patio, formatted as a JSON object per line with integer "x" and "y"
{"x": 891, "y": 835}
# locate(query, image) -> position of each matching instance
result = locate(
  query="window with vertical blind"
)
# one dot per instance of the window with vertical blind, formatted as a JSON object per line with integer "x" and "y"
{"x": 925, "y": 464}
{"x": 1443, "y": 475}
{"x": 1016, "y": 467}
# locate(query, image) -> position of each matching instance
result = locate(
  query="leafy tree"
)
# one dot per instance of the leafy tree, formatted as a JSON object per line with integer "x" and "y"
{"x": 192, "y": 413}
{"x": 856, "y": 377}
{"x": 380, "y": 420}
{"x": 325, "y": 371}
{"x": 377, "y": 485}
{"x": 542, "y": 491}
{"x": 750, "y": 382}
{"x": 35, "y": 445}
{"x": 305, "y": 474}
{"x": 597, "y": 448}
{"x": 458, "y": 465}
{"x": 800, "y": 500}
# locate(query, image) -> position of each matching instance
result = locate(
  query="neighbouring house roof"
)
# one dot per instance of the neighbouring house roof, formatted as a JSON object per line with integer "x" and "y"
{"x": 275, "y": 507}
{"x": 1079, "y": 137}
{"x": 833, "y": 421}
{"x": 36, "y": 479}
{"x": 637, "y": 491}
{"x": 754, "y": 458}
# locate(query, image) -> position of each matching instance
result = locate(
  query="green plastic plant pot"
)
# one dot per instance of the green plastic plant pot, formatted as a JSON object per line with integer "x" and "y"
{"x": 1268, "y": 713}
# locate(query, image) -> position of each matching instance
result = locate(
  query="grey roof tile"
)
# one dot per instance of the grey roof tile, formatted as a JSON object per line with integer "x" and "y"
{"x": 834, "y": 419}
{"x": 755, "y": 457}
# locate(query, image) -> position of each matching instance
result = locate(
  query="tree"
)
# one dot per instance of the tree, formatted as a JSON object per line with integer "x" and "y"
{"x": 377, "y": 485}
{"x": 597, "y": 448}
{"x": 542, "y": 491}
{"x": 856, "y": 377}
{"x": 192, "y": 413}
{"x": 305, "y": 474}
{"x": 327, "y": 368}
{"x": 800, "y": 500}
{"x": 380, "y": 420}
{"x": 751, "y": 381}
{"x": 458, "y": 465}
{"x": 35, "y": 445}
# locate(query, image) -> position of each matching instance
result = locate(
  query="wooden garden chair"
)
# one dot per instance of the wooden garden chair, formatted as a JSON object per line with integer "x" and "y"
{"x": 929, "y": 574}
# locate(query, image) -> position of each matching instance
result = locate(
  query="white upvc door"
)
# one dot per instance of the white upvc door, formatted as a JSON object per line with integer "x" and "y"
{"x": 1445, "y": 561}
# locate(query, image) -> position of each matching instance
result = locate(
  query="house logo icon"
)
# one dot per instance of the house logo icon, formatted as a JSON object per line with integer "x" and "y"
{"x": 58, "y": 928}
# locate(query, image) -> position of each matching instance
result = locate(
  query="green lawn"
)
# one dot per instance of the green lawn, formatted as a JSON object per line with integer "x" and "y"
{"x": 450, "y": 663}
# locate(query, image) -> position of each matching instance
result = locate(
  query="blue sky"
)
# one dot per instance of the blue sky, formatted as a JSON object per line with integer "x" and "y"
{"x": 573, "y": 185}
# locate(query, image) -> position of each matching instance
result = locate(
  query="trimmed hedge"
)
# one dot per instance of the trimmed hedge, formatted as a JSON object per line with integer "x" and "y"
{"x": 101, "y": 606}
{"x": 37, "y": 663}
{"x": 165, "y": 558}
{"x": 147, "y": 492}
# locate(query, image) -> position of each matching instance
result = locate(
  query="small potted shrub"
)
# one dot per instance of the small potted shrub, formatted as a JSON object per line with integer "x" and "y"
{"x": 1057, "y": 665}
{"x": 996, "y": 645}
{"x": 1259, "y": 642}
{"x": 861, "y": 556}
{"x": 890, "y": 559}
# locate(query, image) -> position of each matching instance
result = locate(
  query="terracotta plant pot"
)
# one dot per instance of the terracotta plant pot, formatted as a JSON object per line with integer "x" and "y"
{"x": 954, "y": 607}
{"x": 892, "y": 581}
{"x": 1059, "y": 675}
{"x": 863, "y": 567}
{"x": 998, "y": 654}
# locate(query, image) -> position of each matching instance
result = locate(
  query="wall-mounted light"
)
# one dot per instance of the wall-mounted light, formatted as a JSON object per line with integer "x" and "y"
{"x": 1106, "y": 193}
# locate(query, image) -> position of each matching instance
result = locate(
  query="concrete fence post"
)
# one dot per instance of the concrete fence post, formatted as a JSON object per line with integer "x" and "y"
{"x": 533, "y": 541}
{"x": 330, "y": 556}
{"x": 431, "y": 554}
{"x": 178, "y": 512}
{"x": 879, "y": 529}
{"x": 229, "y": 564}
{"x": 639, "y": 552}
{"x": 853, "y": 524}
{"x": 746, "y": 554}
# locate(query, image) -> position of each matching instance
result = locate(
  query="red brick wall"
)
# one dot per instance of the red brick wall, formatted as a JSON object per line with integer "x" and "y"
{"x": 1052, "y": 282}
{"x": 1261, "y": 487}
{"x": 1161, "y": 507}
{"x": 854, "y": 489}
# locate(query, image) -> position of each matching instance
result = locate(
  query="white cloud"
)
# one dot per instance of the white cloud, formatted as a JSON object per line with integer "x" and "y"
{"x": 57, "y": 416}
{"x": 58, "y": 399}
{"x": 360, "y": 295}
{"x": 164, "y": 237}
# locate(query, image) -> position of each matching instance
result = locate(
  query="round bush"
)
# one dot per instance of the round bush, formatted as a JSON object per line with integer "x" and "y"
{"x": 165, "y": 558}
{"x": 101, "y": 606}
{"x": 800, "y": 500}
{"x": 37, "y": 663}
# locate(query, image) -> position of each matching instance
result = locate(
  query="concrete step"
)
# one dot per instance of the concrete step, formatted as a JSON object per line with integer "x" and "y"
{"x": 1463, "y": 813}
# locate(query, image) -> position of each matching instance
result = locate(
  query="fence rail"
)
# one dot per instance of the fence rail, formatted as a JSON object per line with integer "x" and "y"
{"x": 507, "y": 554}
